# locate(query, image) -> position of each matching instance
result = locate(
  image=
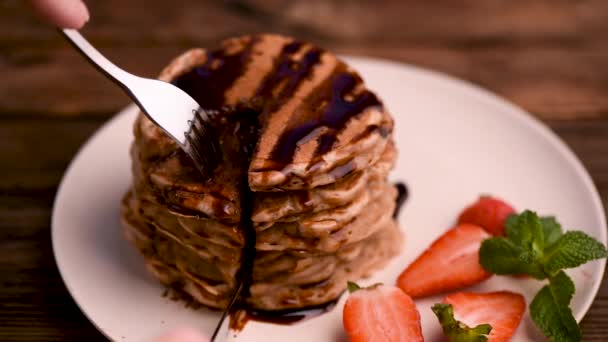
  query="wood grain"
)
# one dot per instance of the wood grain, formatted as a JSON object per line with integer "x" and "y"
{"x": 536, "y": 75}
{"x": 548, "y": 56}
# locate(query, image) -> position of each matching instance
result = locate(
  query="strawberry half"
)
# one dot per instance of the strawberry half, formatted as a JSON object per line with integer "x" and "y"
{"x": 488, "y": 212}
{"x": 502, "y": 310}
{"x": 450, "y": 263}
{"x": 381, "y": 313}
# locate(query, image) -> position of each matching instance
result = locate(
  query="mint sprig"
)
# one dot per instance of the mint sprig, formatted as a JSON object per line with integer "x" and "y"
{"x": 550, "y": 310}
{"x": 571, "y": 250}
{"x": 457, "y": 331}
{"x": 538, "y": 247}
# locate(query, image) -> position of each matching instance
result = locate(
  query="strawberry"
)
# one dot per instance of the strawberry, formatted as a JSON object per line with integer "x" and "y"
{"x": 450, "y": 263}
{"x": 381, "y": 313}
{"x": 489, "y": 213}
{"x": 502, "y": 310}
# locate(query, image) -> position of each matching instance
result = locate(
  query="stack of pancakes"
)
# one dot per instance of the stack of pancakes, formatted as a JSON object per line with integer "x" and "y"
{"x": 305, "y": 152}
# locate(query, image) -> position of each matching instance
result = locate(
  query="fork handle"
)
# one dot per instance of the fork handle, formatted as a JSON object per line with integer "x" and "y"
{"x": 116, "y": 74}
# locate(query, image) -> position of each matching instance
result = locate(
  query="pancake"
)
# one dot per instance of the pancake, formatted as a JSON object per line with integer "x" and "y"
{"x": 301, "y": 281}
{"x": 205, "y": 268}
{"x": 304, "y": 153}
{"x": 328, "y": 231}
{"x": 202, "y": 265}
{"x": 274, "y": 206}
{"x": 318, "y": 122}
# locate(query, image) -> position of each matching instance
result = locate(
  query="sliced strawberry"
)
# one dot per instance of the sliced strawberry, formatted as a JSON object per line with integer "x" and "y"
{"x": 502, "y": 310}
{"x": 450, "y": 263}
{"x": 488, "y": 212}
{"x": 381, "y": 313}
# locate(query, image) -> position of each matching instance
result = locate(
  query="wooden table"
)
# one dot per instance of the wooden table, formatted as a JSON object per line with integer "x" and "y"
{"x": 548, "y": 56}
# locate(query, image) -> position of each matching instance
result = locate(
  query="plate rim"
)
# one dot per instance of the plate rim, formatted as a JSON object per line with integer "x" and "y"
{"x": 464, "y": 87}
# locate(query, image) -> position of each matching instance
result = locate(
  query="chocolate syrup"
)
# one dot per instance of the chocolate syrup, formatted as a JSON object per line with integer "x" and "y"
{"x": 284, "y": 317}
{"x": 339, "y": 110}
{"x": 402, "y": 194}
{"x": 332, "y": 113}
{"x": 328, "y": 105}
{"x": 207, "y": 83}
{"x": 289, "y": 71}
{"x": 245, "y": 130}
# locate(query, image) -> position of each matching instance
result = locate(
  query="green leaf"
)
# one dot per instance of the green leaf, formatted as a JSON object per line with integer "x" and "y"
{"x": 571, "y": 250}
{"x": 457, "y": 331}
{"x": 551, "y": 229}
{"x": 352, "y": 286}
{"x": 538, "y": 247}
{"x": 550, "y": 310}
{"x": 516, "y": 231}
{"x": 501, "y": 256}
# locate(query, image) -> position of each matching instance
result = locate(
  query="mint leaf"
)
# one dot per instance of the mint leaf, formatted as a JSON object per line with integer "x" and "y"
{"x": 457, "y": 331}
{"x": 550, "y": 310}
{"x": 501, "y": 256}
{"x": 525, "y": 230}
{"x": 571, "y": 250}
{"x": 551, "y": 229}
{"x": 521, "y": 251}
{"x": 536, "y": 246}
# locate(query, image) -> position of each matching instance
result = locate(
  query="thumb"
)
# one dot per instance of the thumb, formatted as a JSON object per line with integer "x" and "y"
{"x": 61, "y": 13}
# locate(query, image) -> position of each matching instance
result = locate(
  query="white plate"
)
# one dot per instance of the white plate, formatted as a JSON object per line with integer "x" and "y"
{"x": 455, "y": 141}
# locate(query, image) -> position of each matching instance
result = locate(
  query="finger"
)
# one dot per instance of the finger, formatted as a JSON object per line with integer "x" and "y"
{"x": 183, "y": 335}
{"x": 62, "y": 13}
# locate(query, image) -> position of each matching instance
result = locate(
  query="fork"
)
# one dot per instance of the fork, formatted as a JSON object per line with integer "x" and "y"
{"x": 169, "y": 107}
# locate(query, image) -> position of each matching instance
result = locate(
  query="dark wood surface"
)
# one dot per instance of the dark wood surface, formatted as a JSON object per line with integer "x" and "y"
{"x": 548, "y": 56}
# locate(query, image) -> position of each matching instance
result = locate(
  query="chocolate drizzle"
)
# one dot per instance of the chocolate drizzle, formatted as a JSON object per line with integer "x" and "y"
{"x": 330, "y": 106}
{"x": 339, "y": 110}
{"x": 402, "y": 195}
{"x": 285, "y": 317}
{"x": 332, "y": 113}
{"x": 208, "y": 83}
{"x": 287, "y": 73}
{"x": 238, "y": 130}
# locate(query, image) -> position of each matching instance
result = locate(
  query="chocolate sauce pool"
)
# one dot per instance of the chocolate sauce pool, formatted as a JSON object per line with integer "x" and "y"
{"x": 240, "y": 317}
{"x": 402, "y": 194}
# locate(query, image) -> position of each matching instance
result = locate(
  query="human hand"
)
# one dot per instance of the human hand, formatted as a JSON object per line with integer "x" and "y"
{"x": 183, "y": 335}
{"x": 61, "y": 13}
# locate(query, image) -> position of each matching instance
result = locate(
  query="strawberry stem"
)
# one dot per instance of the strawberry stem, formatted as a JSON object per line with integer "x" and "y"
{"x": 352, "y": 286}
{"x": 455, "y": 330}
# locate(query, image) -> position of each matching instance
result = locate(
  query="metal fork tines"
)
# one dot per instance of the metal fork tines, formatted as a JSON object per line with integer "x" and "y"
{"x": 172, "y": 109}
{"x": 201, "y": 143}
